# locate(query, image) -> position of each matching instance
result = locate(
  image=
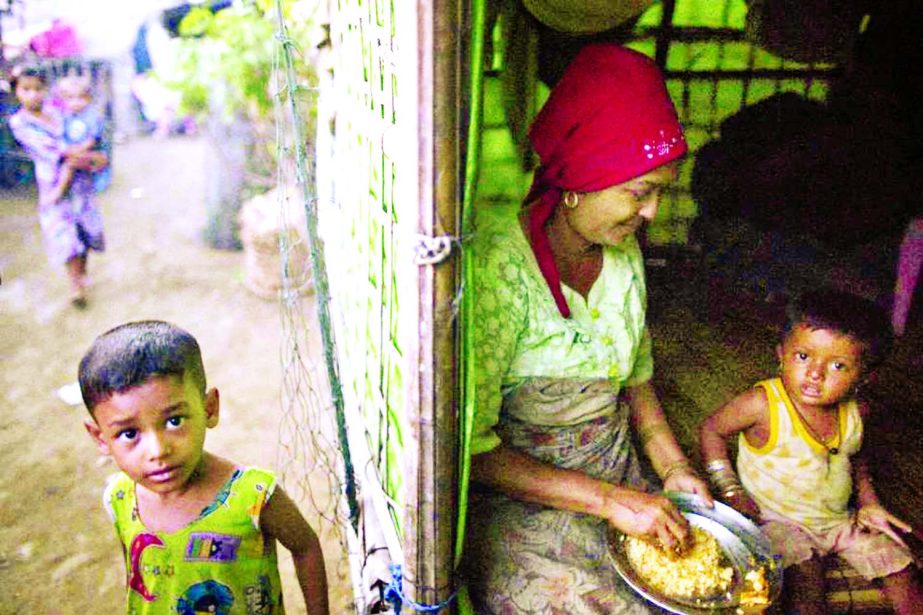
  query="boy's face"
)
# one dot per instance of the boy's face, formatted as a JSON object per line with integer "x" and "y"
{"x": 820, "y": 367}
{"x": 155, "y": 432}
{"x": 30, "y": 91}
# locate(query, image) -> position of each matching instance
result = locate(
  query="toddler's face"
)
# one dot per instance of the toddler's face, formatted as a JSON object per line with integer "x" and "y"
{"x": 30, "y": 91}
{"x": 75, "y": 100}
{"x": 155, "y": 432}
{"x": 820, "y": 368}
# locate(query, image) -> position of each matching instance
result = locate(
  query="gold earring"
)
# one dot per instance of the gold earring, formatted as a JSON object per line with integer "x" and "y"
{"x": 571, "y": 200}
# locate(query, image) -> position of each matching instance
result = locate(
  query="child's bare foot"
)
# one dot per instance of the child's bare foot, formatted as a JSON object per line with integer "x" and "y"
{"x": 77, "y": 273}
{"x": 79, "y": 298}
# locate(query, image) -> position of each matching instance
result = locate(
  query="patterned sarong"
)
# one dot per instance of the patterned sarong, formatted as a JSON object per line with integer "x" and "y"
{"x": 528, "y": 558}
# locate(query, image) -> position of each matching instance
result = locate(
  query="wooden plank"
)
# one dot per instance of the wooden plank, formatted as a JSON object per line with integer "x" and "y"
{"x": 431, "y": 445}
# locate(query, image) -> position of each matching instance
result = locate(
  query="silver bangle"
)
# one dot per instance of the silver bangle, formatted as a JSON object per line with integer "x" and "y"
{"x": 733, "y": 490}
{"x": 718, "y": 465}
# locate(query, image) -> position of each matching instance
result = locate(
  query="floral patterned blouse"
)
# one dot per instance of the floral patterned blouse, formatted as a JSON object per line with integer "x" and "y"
{"x": 519, "y": 334}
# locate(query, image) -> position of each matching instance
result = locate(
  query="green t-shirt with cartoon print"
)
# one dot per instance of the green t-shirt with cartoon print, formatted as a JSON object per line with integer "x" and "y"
{"x": 219, "y": 563}
{"x": 518, "y": 332}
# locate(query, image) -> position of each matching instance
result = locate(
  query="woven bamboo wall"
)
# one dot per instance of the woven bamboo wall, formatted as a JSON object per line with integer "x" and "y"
{"x": 713, "y": 69}
{"x": 364, "y": 222}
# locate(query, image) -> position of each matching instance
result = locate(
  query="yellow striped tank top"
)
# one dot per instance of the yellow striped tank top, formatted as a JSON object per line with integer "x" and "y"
{"x": 793, "y": 474}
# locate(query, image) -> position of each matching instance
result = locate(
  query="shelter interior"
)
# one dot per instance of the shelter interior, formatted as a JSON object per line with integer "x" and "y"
{"x": 804, "y": 170}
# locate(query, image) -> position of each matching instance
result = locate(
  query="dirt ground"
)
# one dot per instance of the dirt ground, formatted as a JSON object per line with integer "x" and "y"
{"x": 58, "y": 553}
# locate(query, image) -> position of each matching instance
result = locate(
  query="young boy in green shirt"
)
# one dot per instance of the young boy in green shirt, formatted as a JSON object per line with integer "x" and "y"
{"x": 199, "y": 532}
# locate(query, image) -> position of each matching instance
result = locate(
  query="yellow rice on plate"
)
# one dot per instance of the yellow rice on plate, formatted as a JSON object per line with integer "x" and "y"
{"x": 698, "y": 573}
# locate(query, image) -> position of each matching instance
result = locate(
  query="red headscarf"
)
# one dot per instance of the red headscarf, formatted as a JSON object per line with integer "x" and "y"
{"x": 608, "y": 120}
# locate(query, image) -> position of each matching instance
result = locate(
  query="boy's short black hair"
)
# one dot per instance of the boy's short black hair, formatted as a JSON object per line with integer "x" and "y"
{"x": 27, "y": 70}
{"x": 131, "y": 354}
{"x": 846, "y": 313}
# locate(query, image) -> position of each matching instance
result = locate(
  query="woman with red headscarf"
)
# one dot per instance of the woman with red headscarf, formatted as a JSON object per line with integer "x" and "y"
{"x": 563, "y": 356}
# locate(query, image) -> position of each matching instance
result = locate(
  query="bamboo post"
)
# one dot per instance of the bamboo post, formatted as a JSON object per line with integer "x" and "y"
{"x": 430, "y": 498}
{"x": 665, "y": 34}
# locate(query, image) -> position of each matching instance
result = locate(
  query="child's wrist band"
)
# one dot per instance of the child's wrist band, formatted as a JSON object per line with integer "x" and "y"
{"x": 718, "y": 465}
{"x": 722, "y": 476}
{"x": 730, "y": 490}
{"x": 726, "y": 483}
{"x": 718, "y": 473}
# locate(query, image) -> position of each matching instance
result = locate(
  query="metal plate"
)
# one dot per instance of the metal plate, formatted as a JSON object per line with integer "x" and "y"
{"x": 744, "y": 547}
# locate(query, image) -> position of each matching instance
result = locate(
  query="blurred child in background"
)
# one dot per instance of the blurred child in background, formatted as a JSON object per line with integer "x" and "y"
{"x": 83, "y": 125}
{"x": 68, "y": 215}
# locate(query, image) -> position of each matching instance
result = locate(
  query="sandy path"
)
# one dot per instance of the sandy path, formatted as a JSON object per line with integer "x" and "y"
{"x": 58, "y": 554}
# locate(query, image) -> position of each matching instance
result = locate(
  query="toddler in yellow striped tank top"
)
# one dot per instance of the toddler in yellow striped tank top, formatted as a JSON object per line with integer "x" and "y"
{"x": 799, "y": 459}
